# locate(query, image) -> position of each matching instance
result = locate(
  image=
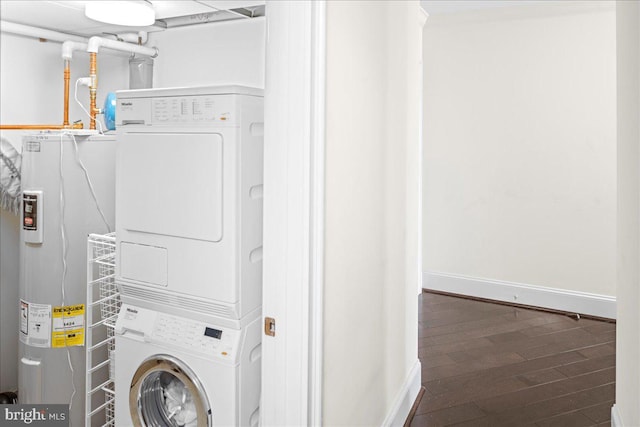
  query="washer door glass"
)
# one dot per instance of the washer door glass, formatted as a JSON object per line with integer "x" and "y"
{"x": 165, "y": 393}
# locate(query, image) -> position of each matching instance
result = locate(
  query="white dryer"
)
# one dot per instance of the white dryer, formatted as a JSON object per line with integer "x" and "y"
{"x": 173, "y": 371}
{"x": 189, "y": 199}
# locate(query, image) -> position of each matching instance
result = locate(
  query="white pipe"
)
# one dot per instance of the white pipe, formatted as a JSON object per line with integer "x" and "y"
{"x": 69, "y": 46}
{"x": 95, "y": 43}
{"x": 38, "y": 33}
{"x": 143, "y": 36}
{"x": 134, "y": 37}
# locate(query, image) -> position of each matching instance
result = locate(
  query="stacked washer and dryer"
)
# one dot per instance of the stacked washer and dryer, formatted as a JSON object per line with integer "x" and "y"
{"x": 189, "y": 256}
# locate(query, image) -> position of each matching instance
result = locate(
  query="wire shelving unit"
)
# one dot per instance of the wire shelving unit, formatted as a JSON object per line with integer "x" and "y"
{"x": 103, "y": 304}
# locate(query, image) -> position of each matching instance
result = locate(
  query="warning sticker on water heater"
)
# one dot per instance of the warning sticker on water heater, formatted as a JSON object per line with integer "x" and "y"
{"x": 31, "y": 146}
{"x": 68, "y": 326}
{"x": 35, "y": 324}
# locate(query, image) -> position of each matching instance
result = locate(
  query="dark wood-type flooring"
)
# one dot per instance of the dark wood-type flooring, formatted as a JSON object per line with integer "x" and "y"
{"x": 486, "y": 364}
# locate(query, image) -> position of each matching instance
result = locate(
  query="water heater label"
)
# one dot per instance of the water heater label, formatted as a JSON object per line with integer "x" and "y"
{"x": 33, "y": 146}
{"x": 35, "y": 324}
{"x": 32, "y": 209}
{"x": 30, "y": 212}
{"x": 24, "y": 317}
{"x": 68, "y": 326}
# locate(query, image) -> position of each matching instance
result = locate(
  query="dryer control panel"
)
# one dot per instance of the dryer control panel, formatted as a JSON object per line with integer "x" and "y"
{"x": 178, "y": 332}
{"x": 216, "y": 110}
{"x": 192, "y": 109}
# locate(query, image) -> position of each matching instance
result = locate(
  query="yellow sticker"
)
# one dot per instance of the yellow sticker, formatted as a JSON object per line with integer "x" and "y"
{"x": 68, "y": 326}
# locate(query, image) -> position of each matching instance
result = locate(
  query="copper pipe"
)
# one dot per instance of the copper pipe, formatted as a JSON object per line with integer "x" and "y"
{"x": 78, "y": 125}
{"x": 67, "y": 77}
{"x": 93, "y": 88}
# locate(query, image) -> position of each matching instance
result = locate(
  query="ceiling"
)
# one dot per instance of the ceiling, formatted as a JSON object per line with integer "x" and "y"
{"x": 68, "y": 16}
{"x": 444, "y": 7}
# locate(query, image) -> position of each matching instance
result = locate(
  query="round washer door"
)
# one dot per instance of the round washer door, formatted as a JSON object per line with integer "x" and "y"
{"x": 166, "y": 393}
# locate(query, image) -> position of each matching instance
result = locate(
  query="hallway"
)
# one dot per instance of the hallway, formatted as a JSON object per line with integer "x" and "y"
{"x": 486, "y": 364}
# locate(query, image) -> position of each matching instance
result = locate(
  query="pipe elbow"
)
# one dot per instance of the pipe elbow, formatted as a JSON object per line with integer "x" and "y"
{"x": 69, "y": 46}
{"x": 94, "y": 44}
{"x": 67, "y": 50}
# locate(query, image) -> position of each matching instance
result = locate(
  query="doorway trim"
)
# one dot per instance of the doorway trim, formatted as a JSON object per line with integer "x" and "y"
{"x": 294, "y": 213}
{"x": 316, "y": 347}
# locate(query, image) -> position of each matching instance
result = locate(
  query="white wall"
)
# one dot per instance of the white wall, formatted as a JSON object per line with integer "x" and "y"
{"x": 229, "y": 52}
{"x": 626, "y": 410}
{"x": 31, "y": 89}
{"x": 519, "y": 147}
{"x": 370, "y": 302}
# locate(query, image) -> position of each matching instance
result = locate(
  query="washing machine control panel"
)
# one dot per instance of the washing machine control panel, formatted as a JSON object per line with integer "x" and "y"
{"x": 195, "y": 336}
{"x": 173, "y": 331}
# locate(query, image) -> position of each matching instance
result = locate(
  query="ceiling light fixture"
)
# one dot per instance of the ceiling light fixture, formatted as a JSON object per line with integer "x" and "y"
{"x": 133, "y": 13}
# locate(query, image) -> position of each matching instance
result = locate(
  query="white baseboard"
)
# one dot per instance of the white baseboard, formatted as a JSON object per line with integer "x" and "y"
{"x": 616, "y": 420}
{"x": 519, "y": 293}
{"x": 405, "y": 398}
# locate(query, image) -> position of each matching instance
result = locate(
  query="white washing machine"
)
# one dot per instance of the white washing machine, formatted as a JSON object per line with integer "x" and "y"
{"x": 173, "y": 371}
{"x": 189, "y": 200}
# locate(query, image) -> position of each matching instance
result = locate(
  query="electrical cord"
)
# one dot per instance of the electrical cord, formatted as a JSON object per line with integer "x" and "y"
{"x": 63, "y": 235}
{"x": 89, "y": 183}
{"x": 75, "y": 96}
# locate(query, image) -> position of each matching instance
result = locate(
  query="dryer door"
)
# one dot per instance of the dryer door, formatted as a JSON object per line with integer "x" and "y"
{"x": 166, "y": 393}
{"x": 170, "y": 184}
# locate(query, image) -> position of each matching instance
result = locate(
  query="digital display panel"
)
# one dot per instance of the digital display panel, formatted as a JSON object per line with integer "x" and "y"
{"x": 213, "y": 333}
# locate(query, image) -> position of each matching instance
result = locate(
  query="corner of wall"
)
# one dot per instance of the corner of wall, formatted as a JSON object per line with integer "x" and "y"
{"x": 404, "y": 399}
